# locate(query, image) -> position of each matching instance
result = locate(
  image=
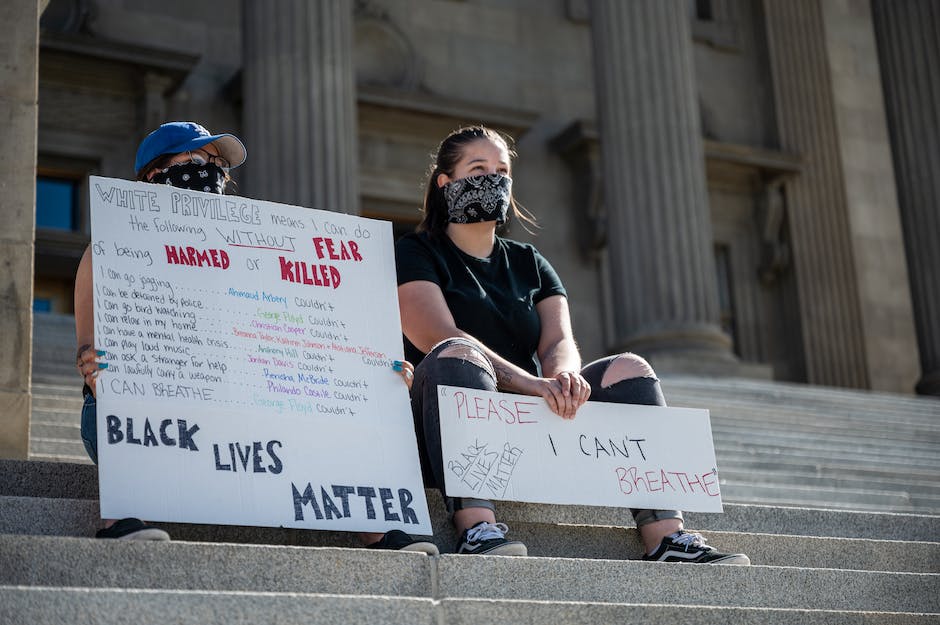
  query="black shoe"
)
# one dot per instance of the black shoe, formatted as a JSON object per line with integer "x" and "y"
{"x": 490, "y": 539}
{"x": 690, "y": 547}
{"x": 132, "y": 529}
{"x": 397, "y": 540}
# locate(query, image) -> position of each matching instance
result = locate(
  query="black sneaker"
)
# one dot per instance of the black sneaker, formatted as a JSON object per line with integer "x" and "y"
{"x": 132, "y": 529}
{"x": 490, "y": 539}
{"x": 685, "y": 546}
{"x": 397, "y": 540}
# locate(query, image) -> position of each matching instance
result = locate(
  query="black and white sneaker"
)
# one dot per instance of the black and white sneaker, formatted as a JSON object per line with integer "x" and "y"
{"x": 132, "y": 529}
{"x": 397, "y": 540}
{"x": 685, "y": 546}
{"x": 490, "y": 539}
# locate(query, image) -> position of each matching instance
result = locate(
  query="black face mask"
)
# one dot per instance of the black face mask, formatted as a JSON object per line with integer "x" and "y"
{"x": 478, "y": 198}
{"x": 207, "y": 177}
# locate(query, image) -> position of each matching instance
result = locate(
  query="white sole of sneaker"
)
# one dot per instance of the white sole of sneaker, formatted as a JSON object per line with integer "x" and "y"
{"x": 422, "y": 547}
{"x": 150, "y": 533}
{"x": 738, "y": 558}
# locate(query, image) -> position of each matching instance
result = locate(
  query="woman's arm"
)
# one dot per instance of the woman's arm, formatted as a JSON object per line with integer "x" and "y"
{"x": 85, "y": 320}
{"x": 558, "y": 352}
{"x": 427, "y": 321}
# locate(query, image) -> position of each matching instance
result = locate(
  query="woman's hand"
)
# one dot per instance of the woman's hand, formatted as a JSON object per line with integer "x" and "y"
{"x": 406, "y": 370}
{"x": 89, "y": 365}
{"x": 564, "y": 393}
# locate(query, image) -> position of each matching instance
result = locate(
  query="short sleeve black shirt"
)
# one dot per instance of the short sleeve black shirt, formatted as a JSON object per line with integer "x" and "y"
{"x": 493, "y": 299}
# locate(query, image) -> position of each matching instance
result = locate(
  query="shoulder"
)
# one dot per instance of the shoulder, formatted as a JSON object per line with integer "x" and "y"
{"x": 511, "y": 245}
{"x": 518, "y": 249}
{"x": 415, "y": 243}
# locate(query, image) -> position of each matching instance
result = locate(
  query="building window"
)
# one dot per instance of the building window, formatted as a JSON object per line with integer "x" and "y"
{"x": 57, "y": 203}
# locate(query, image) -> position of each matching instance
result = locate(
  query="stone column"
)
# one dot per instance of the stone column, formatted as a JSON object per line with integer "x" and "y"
{"x": 908, "y": 35}
{"x": 19, "y": 112}
{"x": 874, "y": 219}
{"x": 300, "y": 103}
{"x": 663, "y": 285}
{"x": 827, "y": 283}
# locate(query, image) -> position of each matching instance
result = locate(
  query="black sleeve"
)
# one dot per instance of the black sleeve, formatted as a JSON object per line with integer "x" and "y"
{"x": 414, "y": 260}
{"x": 550, "y": 282}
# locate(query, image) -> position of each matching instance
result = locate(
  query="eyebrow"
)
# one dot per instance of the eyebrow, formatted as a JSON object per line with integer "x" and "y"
{"x": 483, "y": 160}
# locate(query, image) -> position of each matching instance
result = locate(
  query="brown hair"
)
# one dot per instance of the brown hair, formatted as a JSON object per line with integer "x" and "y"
{"x": 161, "y": 162}
{"x": 448, "y": 154}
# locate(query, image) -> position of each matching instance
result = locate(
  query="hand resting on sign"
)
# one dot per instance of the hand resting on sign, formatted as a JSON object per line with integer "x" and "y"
{"x": 89, "y": 364}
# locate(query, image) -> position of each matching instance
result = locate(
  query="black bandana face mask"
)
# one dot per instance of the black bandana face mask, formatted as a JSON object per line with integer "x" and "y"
{"x": 207, "y": 177}
{"x": 478, "y": 198}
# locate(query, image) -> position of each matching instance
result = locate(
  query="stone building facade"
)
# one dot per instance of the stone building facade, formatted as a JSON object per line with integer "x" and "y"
{"x": 729, "y": 187}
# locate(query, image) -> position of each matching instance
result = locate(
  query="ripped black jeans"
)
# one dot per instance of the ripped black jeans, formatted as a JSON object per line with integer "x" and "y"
{"x": 476, "y": 372}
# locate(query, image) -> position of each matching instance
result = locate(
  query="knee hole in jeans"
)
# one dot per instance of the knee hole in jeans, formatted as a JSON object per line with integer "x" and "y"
{"x": 624, "y": 367}
{"x": 462, "y": 351}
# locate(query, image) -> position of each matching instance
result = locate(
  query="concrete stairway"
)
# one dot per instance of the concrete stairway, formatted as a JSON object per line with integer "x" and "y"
{"x": 810, "y": 565}
{"x": 833, "y": 494}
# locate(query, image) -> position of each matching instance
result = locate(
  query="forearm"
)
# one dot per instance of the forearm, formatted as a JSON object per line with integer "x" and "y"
{"x": 509, "y": 377}
{"x": 561, "y": 356}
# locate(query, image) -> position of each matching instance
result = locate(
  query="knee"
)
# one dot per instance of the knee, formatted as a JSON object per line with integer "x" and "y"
{"x": 626, "y": 366}
{"x": 462, "y": 349}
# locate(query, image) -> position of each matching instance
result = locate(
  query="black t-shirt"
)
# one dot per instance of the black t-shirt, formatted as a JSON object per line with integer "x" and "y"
{"x": 493, "y": 299}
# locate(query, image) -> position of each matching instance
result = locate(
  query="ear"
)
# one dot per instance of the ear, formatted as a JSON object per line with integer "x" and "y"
{"x": 442, "y": 179}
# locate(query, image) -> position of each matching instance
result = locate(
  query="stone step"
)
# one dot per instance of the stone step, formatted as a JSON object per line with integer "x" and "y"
{"x": 203, "y": 566}
{"x": 55, "y": 480}
{"x": 66, "y": 459}
{"x": 811, "y": 456}
{"x": 57, "y": 447}
{"x": 774, "y": 395}
{"x": 257, "y": 568}
{"x": 763, "y": 465}
{"x": 809, "y": 476}
{"x": 645, "y": 582}
{"x": 714, "y": 393}
{"x": 786, "y": 428}
{"x": 28, "y": 516}
{"x": 719, "y": 394}
{"x": 110, "y": 606}
{"x": 44, "y": 430}
{"x": 775, "y": 495}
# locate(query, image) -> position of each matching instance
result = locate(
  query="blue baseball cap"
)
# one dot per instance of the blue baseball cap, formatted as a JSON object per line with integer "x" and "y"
{"x": 176, "y": 137}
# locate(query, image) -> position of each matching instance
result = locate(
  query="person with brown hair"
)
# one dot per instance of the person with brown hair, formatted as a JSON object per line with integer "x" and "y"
{"x": 486, "y": 312}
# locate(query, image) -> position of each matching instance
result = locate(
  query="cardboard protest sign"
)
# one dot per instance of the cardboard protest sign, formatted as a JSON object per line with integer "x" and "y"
{"x": 250, "y": 348}
{"x": 512, "y": 447}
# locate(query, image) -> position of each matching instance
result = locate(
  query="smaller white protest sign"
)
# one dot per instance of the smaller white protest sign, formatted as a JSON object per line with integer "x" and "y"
{"x": 514, "y": 448}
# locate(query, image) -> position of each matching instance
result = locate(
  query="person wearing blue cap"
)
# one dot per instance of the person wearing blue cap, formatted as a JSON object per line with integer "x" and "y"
{"x": 184, "y": 155}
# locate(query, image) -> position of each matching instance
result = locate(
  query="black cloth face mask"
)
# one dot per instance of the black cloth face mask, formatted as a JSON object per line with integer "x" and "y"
{"x": 207, "y": 177}
{"x": 478, "y": 198}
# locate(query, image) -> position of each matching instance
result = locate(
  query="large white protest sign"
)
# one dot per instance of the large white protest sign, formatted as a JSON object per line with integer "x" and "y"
{"x": 250, "y": 348}
{"x": 512, "y": 447}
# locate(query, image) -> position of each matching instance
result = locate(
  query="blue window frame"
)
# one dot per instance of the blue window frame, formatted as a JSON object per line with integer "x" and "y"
{"x": 56, "y": 203}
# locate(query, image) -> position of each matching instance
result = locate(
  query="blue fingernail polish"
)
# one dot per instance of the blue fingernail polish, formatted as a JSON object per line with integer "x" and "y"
{"x": 100, "y": 352}
{"x": 396, "y": 367}
{"x": 397, "y": 363}
{"x": 102, "y": 365}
